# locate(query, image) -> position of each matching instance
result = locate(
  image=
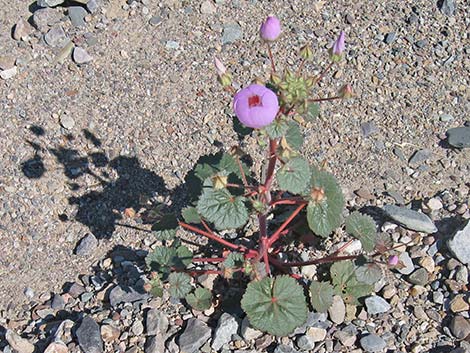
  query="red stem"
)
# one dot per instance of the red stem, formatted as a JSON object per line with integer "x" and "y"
{"x": 271, "y": 165}
{"x": 273, "y": 66}
{"x": 241, "y": 170}
{"x": 324, "y": 72}
{"x": 209, "y": 259}
{"x": 319, "y": 261}
{"x": 297, "y": 201}
{"x": 278, "y": 232}
{"x": 325, "y": 99}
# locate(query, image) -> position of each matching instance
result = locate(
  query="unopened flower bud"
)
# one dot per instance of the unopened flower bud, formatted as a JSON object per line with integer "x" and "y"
{"x": 270, "y": 29}
{"x": 219, "y": 66}
{"x": 225, "y": 79}
{"x": 336, "y": 51}
{"x": 346, "y": 92}
{"x": 306, "y": 52}
{"x": 393, "y": 260}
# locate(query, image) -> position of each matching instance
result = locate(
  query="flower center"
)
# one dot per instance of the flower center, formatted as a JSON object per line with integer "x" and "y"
{"x": 254, "y": 101}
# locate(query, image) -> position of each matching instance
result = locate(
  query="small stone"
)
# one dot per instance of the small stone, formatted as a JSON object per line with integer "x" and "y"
{"x": 155, "y": 344}
{"x": 421, "y": 43}
{"x": 194, "y": 336}
{"x": 316, "y": 333}
{"x": 337, "y": 310}
{"x": 389, "y": 291}
{"x": 137, "y": 328}
{"x": 365, "y": 194}
{"x": 19, "y": 344}
{"x": 9, "y": 73}
{"x": 434, "y": 204}
{"x": 49, "y": 3}
{"x": 22, "y": 30}
{"x": 284, "y": 348}
{"x": 459, "y": 137}
{"x": 428, "y": 263}
{"x": 109, "y": 333}
{"x": 437, "y": 297}
{"x": 347, "y": 336}
{"x": 123, "y": 294}
{"x": 231, "y": 33}
{"x": 93, "y": 5}
{"x": 390, "y": 37}
{"x": 462, "y": 275}
{"x": 156, "y": 322}
{"x": 447, "y": 7}
{"x": 7, "y": 62}
{"x": 459, "y": 244}
{"x": 368, "y": 128}
{"x": 305, "y": 343}
{"x": 57, "y": 347}
{"x": 89, "y": 336}
{"x": 408, "y": 266}
{"x": 56, "y": 37}
{"x": 171, "y": 44}
{"x": 419, "y": 277}
{"x": 410, "y": 219}
{"x": 420, "y": 156}
{"x": 248, "y": 332}
{"x": 29, "y": 293}
{"x": 460, "y": 327}
{"x": 419, "y": 313}
{"x": 81, "y": 56}
{"x": 226, "y": 327}
{"x": 376, "y": 305}
{"x": 458, "y": 304}
{"x": 156, "y": 20}
{"x": 77, "y": 15}
{"x": 372, "y": 343}
{"x": 43, "y": 18}
{"x": 57, "y": 302}
{"x": 208, "y": 8}
{"x": 88, "y": 243}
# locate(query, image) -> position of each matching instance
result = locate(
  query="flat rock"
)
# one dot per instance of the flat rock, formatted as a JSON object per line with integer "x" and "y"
{"x": 56, "y": 37}
{"x": 447, "y": 7}
{"x": 226, "y": 327}
{"x": 410, "y": 219}
{"x": 49, "y": 3}
{"x": 123, "y": 294}
{"x": 372, "y": 343}
{"x": 22, "y": 30}
{"x": 376, "y": 305}
{"x": 81, "y": 56}
{"x": 9, "y": 73}
{"x": 88, "y": 243}
{"x": 18, "y": 343}
{"x": 231, "y": 33}
{"x": 57, "y": 347}
{"x": 194, "y": 336}
{"x": 93, "y": 5}
{"x": 154, "y": 344}
{"x": 460, "y": 327}
{"x": 89, "y": 336}
{"x": 248, "y": 332}
{"x": 407, "y": 263}
{"x": 317, "y": 334}
{"x": 44, "y": 18}
{"x": 208, "y": 8}
{"x": 305, "y": 343}
{"x": 459, "y": 244}
{"x": 368, "y": 128}
{"x": 156, "y": 322}
{"x": 77, "y": 15}
{"x": 420, "y": 156}
{"x": 459, "y": 137}
{"x": 419, "y": 277}
{"x": 337, "y": 310}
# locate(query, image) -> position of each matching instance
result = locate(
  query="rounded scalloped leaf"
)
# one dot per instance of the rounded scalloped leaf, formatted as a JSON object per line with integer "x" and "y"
{"x": 180, "y": 284}
{"x": 190, "y": 215}
{"x": 294, "y": 136}
{"x": 160, "y": 259}
{"x": 201, "y": 299}
{"x": 277, "y": 128}
{"x": 294, "y": 175}
{"x": 325, "y": 209}
{"x": 275, "y": 305}
{"x": 223, "y": 209}
{"x": 347, "y": 284}
{"x": 313, "y": 111}
{"x": 362, "y": 227}
{"x": 321, "y": 295}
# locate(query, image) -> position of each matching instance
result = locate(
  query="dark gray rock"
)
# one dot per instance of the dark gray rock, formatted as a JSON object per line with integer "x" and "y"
{"x": 76, "y": 290}
{"x": 87, "y": 245}
{"x": 226, "y": 327}
{"x": 284, "y": 348}
{"x": 123, "y": 294}
{"x": 447, "y": 7}
{"x": 194, "y": 336}
{"x": 419, "y": 277}
{"x": 410, "y": 219}
{"x": 376, "y": 305}
{"x": 368, "y": 128}
{"x": 49, "y": 3}
{"x": 156, "y": 322}
{"x": 56, "y": 37}
{"x": 89, "y": 336}
{"x": 459, "y": 244}
{"x": 77, "y": 15}
{"x": 390, "y": 37}
{"x": 420, "y": 156}
{"x": 460, "y": 327}
{"x": 44, "y": 18}
{"x": 373, "y": 343}
{"x": 57, "y": 302}
{"x": 232, "y": 32}
{"x": 459, "y": 137}
{"x": 154, "y": 344}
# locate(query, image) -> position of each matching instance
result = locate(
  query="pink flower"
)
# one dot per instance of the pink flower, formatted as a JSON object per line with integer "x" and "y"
{"x": 256, "y": 106}
{"x": 339, "y": 46}
{"x": 393, "y": 260}
{"x": 270, "y": 29}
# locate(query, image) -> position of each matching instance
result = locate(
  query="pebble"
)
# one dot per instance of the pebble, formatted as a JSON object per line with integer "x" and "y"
{"x": 88, "y": 243}
{"x": 49, "y": 3}
{"x": 460, "y": 327}
{"x": 437, "y": 297}
{"x": 22, "y": 30}
{"x": 89, "y": 336}
{"x": 77, "y": 15}
{"x": 428, "y": 263}
{"x": 434, "y": 204}
{"x": 109, "y": 333}
{"x": 459, "y": 244}
{"x": 156, "y": 20}
{"x": 156, "y": 322}
{"x": 390, "y": 37}
{"x": 93, "y": 5}
{"x": 458, "y": 304}
{"x": 419, "y": 277}
{"x": 43, "y": 18}
{"x": 420, "y": 156}
{"x": 81, "y": 56}
{"x": 405, "y": 259}
{"x": 459, "y": 137}
{"x": 447, "y": 7}
{"x": 410, "y": 219}
{"x": 57, "y": 347}
{"x": 368, "y": 128}
{"x": 305, "y": 343}
{"x": 461, "y": 275}
{"x": 248, "y": 332}
{"x": 226, "y": 327}
{"x": 154, "y": 344}
{"x": 372, "y": 343}
{"x": 317, "y": 334}
{"x": 137, "y": 328}
{"x": 231, "y": 33}
{"x": 19, "y": 344}
{"x": 376, "y": 305}
{"x": 284, "y": 348}
{"x": 337, "y": 310}
{"x": 171, "y": 44}
{"x": 208, "y": 8}
{"x": 123, "y": 294}
{"x": 56, "y": 37}
{"x": 9, "y": 73}
{"x": 194, "y": 336}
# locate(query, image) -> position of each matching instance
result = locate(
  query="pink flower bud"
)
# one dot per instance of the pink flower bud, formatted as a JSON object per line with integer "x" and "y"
{"x": 270, "y": 29}
{"x": 256, "y": 106}
{"x": 339, "y": 46}
{"x": 393, "y": 260}
{"x": 219, "y": 66}
{"x": 346, "y": 92}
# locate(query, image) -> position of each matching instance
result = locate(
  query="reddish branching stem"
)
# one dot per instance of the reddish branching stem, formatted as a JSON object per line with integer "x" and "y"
{"x": 278, "y": 232}
{"x": 324, "y": 72}
{"x": 325, "y": 99}
{"x": 271, "y": 58}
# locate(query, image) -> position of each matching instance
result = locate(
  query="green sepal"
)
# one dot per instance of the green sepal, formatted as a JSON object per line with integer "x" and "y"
{"x": 180, "y": 284}
{"x": 294, "y": 176}
{"x": 362, "y": 227}
{"x": 200, "y": 300}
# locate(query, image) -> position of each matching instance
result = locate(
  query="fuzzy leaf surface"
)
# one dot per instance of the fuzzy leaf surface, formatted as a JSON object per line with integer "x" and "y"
{"x": 294, "y": 136}
{"x": 369, "y": 273}
{"x": 201, "y": 299}
{"x": 321, "y": 295}
{"x": 277, "y": 128}
{"x": 157, "y": 287}
{"x": 294, "y": 175}
{"x": 234, "y": 260}
{"x": 165, "y": 228}
{"x": 324, "y": 215}
{"x": 346, "y": 283}
{"x": 362, "y": 227}
{"x": 223, "y": 209}
{"x": 190, "y": 215}
{"x": 162, "y": 259}
{"x": 180, "y": 284}
{"x": 313, "y": 111}
{"x": 275, "y": 305}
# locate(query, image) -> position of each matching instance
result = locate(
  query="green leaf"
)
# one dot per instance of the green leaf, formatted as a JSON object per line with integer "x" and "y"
{"x": 165, "y": 228}
{"x": 362, "y": 227}
{"x": 275, "y": 305}
{"x": 180, "y": 284}
{"x": 313, "y": 111}
{"x": 234, "y": 260}
{"x": 157, "y": 287}
{"x": 346, "y": 283}
{"x": 294, "y": 175}
{"x": 321, "y": 295}
{"x": 183, "y": 257}
{"x": 294, "y": 136}
{"x": 326, "y": 203}
{"x": 162, "y": 259}
{"x": 201, "y": 299}
{"x": 223, "y": 209}
{"x": 277, "y": 128}
{"x": 190, "y": 215}
{"x": 369, "y": 273}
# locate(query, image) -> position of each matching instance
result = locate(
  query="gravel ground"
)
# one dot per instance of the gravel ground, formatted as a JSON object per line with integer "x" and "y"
{"x": 85, "y": 138}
